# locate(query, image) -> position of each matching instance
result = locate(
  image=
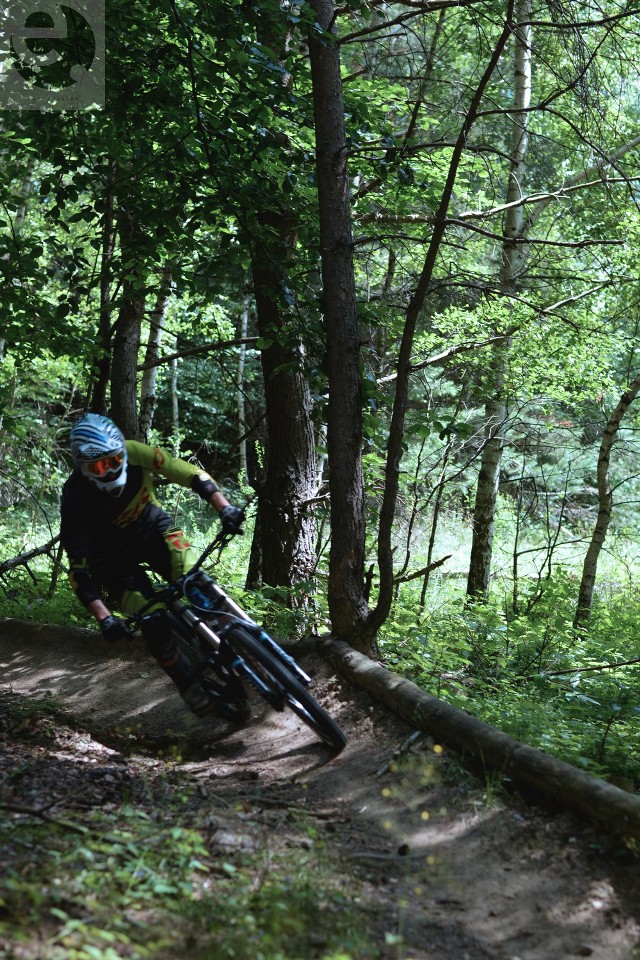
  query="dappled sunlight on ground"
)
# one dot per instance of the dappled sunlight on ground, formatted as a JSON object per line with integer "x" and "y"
{"x": 441, "y": 867}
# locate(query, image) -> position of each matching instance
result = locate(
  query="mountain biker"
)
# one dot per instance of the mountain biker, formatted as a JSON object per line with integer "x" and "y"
{"x": 112, "y": 524}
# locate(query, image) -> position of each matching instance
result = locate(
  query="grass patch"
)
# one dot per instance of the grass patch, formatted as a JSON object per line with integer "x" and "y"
{"x": 128, "y": 858}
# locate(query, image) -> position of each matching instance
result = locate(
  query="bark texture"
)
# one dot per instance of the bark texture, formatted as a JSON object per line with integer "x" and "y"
{"x": 286, "y": 524}
{"x": 156, "y": 329}
{"x": 347, "y": 605}
{"x": 126, "y": 341}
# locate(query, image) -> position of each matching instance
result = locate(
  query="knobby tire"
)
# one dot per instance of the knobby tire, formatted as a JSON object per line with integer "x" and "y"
{"x": 298, "y": 698}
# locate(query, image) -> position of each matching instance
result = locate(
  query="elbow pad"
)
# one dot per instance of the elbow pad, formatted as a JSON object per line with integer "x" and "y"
{"x": 204, "y": 486}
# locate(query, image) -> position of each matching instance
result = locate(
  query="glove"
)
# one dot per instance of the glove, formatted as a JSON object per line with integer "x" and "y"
{"x": 231, "y": 519}
{"x": 114, "y": 629}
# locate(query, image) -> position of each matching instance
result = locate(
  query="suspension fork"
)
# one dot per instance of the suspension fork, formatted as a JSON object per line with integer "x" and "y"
{"x": 191, "y": 618}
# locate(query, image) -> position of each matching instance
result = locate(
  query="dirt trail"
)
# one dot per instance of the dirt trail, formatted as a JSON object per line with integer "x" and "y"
{"x": 462, "y": 875}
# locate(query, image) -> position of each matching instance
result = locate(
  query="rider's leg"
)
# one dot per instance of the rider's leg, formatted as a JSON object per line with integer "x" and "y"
{"x": 163, "y": 646}
{"x": 171, "y": 555}
{"x": 127, "y": 582}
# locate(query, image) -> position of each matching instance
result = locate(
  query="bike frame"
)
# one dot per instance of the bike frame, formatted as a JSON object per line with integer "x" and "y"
{"x": 213, "y": 624}
{"x": 228, "y": 645}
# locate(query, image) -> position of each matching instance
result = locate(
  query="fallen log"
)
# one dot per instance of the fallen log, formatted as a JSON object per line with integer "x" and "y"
{"x": 529, "y": 769}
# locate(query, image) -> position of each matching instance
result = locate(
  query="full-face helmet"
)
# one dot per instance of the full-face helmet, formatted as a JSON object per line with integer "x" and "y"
{"x": 98, "y": 450}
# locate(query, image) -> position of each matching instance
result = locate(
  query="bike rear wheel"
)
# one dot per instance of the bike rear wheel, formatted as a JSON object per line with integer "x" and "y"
{"x": 276, "y": 675}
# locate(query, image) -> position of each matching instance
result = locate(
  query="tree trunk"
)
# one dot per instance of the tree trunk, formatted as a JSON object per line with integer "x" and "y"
{"x": 24, "y": 193}
{"x": 175, "y": 403}
{"x": 286, "y": 523}
{"x": 484, "y": 510}
{"x": 17, "y": 230}
{"x": 149, "y": 375}
{"x": 396, "y": 430}
{"x": 126, "y": 341}
{"x": 240, "y": 389}
{"x": 434, "y": 520}
{"x": 605, "y": 499}
{"x": 101, "y": 374}
{"x": 347, "y": 604}
{"x": 511, "y": 271}
{"x": 490, "y": 750}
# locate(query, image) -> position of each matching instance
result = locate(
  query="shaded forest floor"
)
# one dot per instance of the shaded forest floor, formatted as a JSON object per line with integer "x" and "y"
{"x": 385, "y": 851}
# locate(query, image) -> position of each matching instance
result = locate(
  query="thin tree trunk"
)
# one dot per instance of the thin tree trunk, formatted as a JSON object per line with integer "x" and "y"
{"x": 605, "y": 500}
{"x": 102, "y": 372}
{"x": 484, "y": 509}
{"x": 24, "y": 192}
{"x": 396, "y": 431}
{"x": 242, "y": 419}
{"x": 126, "y": 341}
{"x": 175, "y": 404}
{"x": 511, "y": 270}
{"x": 17, "y": 229}
{"x": 255, "y": 565}
{"x": 434, "y": 521}
{"x": 321, "y": 445}
{"x": 149, "y": 375}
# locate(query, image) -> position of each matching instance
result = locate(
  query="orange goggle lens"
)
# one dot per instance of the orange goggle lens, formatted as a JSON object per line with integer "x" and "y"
{"x": 99, "y": 468}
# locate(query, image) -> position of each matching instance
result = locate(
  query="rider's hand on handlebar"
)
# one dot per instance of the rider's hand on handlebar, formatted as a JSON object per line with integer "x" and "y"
{"x": 114, "y": 629}
{"x": 231, "y": 519}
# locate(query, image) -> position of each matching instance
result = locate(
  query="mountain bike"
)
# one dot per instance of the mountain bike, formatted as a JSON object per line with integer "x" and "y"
{"x": 233, "y": 657}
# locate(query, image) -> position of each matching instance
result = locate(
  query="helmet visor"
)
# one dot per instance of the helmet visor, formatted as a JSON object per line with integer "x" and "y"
{"x": 106, "y": 465}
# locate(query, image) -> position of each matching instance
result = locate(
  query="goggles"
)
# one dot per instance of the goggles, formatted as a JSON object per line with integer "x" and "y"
{"x": 100, "y": 468}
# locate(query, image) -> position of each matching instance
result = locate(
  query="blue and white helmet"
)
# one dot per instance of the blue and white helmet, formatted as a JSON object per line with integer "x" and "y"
{"x": 98, "y": 449}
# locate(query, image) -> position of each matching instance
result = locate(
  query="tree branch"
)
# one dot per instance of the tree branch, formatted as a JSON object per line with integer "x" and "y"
{"x": 450, "y": 352}
{"x": 42, "y": 814}
{"x": 194, "y": 351}
{"x": 564, "y": 673}
{"x": 534, "y": 198}
{"x": 573, "y": 244}
{"x": 420, "y": 573}
{"x": 22, "y": 559}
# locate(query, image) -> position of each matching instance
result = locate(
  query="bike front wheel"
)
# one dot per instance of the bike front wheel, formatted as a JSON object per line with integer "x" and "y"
{"x": 281, "y": 680}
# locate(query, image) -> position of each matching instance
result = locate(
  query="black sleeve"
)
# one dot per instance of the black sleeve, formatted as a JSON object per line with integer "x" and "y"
{"x": 80, "y": 580}
{"x": 77, "y": 546}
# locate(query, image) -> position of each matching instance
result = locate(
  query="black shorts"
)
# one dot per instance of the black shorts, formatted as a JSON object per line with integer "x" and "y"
{"x": 124, "y": 578}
